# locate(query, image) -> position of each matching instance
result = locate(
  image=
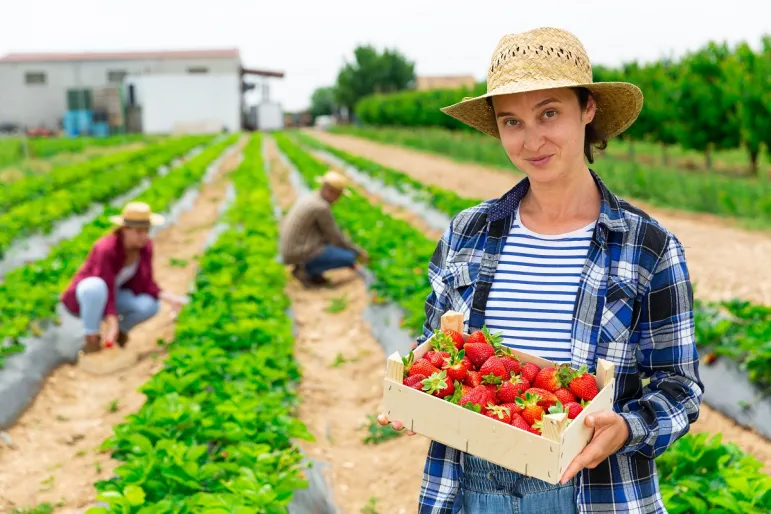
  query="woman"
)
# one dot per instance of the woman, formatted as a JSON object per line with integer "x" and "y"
{"x": 566, "y": 270}
{"x": 116, "y": 282}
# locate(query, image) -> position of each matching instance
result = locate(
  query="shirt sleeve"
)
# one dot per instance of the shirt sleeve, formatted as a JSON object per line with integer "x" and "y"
{"x": 103, "y": 258}
{"x": 670, "y": 403}
{"x": 442, "y": 470}
{"x": 331, "y": 232}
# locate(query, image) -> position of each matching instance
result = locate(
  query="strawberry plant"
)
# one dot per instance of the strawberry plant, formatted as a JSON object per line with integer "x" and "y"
{"x": 30, "y": 293}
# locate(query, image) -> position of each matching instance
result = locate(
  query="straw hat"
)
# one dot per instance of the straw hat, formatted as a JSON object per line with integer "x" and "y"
{"x": 548, "y": 58}
{"x": 334, "y": 180}
{"x": 137, "y": 214}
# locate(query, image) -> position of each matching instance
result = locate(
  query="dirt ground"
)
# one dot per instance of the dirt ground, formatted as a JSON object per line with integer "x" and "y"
{"x": 343, "y": 367}
{"x": 56, "y": 456}
{"x": 710, "y": 420}
{"x": 725, "y": 261}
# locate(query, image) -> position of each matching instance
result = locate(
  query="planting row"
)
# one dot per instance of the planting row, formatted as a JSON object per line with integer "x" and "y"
{"x": 12, "y": 149}
{"x": 93, "y": 185}
{"x": 401, "y": 278}
{"x": 29, "y": 294}
{"x": 215, "y": 433}
{"x": 749, "y": 200}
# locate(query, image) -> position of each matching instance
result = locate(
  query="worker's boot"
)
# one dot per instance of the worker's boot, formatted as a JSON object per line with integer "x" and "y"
{"x": 122, "y": 339}
{"x": 93, "y": 344}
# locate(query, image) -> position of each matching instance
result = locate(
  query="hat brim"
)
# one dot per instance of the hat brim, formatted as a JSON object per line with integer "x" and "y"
{"x": 344, "y": 191}
{"x": 618, "y": 105}
{"x": 155, "y": 220}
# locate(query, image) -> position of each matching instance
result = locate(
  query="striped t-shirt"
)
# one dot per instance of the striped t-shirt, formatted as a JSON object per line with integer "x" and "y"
{"x": 534, "y": 291}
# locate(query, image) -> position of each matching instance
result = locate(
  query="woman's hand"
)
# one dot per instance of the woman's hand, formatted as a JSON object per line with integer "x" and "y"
{"x": 175, "y": 301}
{"x": 397, "y": 425}
{"x": 610, "y": 434}
{"x": 111, "y": 332}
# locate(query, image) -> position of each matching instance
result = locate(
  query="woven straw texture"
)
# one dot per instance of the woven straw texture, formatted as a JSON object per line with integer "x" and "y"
{"x": 548, "y": 58}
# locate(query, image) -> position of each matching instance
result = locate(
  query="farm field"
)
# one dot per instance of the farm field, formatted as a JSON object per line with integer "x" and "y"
{"x": 258, "y": 374}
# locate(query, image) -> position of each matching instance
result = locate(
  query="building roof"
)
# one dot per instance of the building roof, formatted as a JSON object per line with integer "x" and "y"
{"x": 117, "y": 56}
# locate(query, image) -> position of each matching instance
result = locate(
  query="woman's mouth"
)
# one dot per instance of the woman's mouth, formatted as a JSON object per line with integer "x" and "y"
{"x": 540, "y": 161}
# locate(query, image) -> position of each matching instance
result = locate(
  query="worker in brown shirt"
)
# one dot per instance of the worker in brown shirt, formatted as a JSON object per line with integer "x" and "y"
{"x": 310, "y": 238}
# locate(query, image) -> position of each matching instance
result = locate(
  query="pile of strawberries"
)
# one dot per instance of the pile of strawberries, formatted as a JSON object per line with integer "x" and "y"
{"x": 484, "y": 376}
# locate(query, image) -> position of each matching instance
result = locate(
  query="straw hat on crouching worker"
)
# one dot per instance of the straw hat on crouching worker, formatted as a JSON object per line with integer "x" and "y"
{"x": 137, "y": 214}
{"x": 548, "y": 58}
{"x": 335, "y": 180}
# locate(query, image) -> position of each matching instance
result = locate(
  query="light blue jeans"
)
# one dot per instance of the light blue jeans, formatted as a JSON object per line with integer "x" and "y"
{"x": 489, "y": 488}
{"x": 133, "y": 309}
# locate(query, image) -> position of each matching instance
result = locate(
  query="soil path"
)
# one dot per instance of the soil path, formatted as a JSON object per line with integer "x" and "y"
{"x": 709, "y": 420}
{"x": 342, "y": 368}
{"x": 725, "y": 261}
{"x": 56, "y": 457}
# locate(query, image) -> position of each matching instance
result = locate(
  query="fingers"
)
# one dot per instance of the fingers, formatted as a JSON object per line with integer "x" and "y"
{"x": 395, "y": 424}
{"x": 600, "y": 419}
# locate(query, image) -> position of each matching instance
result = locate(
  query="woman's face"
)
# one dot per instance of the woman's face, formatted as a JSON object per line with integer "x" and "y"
{"x": 135, "y": 238}
{"x": 543, "y": 132}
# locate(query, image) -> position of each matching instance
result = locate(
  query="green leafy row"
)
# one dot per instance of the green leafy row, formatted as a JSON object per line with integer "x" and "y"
{"x": 736, "y": 329}
{"x": 697, "y": 475}
{"x": 35, "y": 186}
{"x": 29, "y": 294}
{"x": 748, "y": 200}
{"x": 40, "y": 214}
{"x": 12, "y": 148}
{"x": 216, "y": 431}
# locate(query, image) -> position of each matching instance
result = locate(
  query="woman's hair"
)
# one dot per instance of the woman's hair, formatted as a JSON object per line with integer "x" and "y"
{"x": 592, "y": 137}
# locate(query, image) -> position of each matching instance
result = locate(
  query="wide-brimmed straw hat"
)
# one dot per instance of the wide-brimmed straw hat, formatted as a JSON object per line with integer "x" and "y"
{"x": 335, "y": 180}
{"x": 137, "y": 214}
{"x": 548, "y": 58}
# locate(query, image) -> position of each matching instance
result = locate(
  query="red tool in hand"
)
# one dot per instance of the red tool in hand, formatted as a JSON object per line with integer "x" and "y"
{"x": 108, "y": 344}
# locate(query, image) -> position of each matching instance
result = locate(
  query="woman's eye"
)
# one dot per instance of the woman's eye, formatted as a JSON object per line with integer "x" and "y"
{"x": 510, "y": 123}
{"x": 550, "y": 113}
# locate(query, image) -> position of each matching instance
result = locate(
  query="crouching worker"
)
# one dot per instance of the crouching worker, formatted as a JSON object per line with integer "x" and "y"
{"x": 116, "y": 281}
{"x": 310, "y": 238}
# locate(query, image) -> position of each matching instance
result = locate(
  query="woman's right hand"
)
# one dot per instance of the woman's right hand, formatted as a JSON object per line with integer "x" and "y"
{"x": 397, "y": 425}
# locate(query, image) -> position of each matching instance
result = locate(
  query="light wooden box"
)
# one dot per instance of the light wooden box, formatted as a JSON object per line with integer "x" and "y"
{"x": 544, "y": 457}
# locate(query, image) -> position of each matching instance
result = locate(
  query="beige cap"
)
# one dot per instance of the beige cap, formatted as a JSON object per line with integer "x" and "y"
{"x": 334, "y": 180}
{"x": 137, "y": 214}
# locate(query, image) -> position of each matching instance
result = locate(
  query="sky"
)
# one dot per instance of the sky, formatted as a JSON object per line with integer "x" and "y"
{"x": 310, "y": 40}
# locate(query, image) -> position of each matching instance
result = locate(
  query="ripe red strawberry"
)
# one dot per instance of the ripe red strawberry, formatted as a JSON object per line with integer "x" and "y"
{"x": 437, "y": 358}
{"x": 537, "y": 426}
{"x": 478, "y": 353}
{"x": 478, "y": 396}
{"x": 422, "y": 367}
{"x": 465, "y": 389}
{"x": 499, "y": 413}
{"x": 493, "y": 389}
{"x": 494, "y": 366}
{"x": 519, "y": 422}
{"x": 583, "y": 385}
{"x": 456, "y": 337}
{"x": 530, "y": 371}
{"x": 442, "y": 342}
{"x": 512, "y": 388}
{"x": 439, "y": 385}
{"x": 484, "y": 336}
{"x": 564, "y": 395}
{"x": 574, "y": 409}
{"x": 415, "y": 382}
{"x": 531, "y": 411}
{"x": 547, "y": 379}
{"x": 545, "y": 398}
{"x": 473, "y": 378}
{"x": 512, "y": 364}
{"x": 456, "y": 366}
{"x": 513, "y": 407}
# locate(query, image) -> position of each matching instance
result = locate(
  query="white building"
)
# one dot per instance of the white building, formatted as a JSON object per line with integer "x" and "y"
{"x": 160, "y": 90}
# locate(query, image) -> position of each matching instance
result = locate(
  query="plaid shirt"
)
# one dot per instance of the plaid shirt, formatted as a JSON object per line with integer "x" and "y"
{"x": 634, "y": 308}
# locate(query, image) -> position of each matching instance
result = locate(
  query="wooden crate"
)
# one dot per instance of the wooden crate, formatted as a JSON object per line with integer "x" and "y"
{"x": 544, "y": 457}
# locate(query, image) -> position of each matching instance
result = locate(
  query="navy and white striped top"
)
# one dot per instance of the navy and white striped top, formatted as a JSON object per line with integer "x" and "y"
{"x": 534, "y": 291}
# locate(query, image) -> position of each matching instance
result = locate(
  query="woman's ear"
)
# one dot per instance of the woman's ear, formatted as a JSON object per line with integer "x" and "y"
{"x": 591, "y": 110}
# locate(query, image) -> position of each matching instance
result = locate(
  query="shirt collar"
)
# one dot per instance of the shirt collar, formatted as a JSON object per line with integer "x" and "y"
{"x": 611, "y": 214}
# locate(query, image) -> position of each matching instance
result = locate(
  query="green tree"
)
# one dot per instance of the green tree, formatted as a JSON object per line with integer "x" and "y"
{"x": 373, "y": 72}
{"x": 323, "y": 101}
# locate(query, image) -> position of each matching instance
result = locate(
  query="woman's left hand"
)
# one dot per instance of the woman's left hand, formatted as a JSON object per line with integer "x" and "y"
{"x": 610, "y": 434}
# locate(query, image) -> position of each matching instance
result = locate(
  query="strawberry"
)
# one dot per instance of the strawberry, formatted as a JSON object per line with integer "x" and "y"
{"x": 493, "y": 389}
{"x": 465, "y": 389}
{"x": 513, "y": 407}
{"x": 438, "y": 385}
{"x": 531, "y": 411}
{"x": 415, "y": 382}
{"x": 512, "y": 364}
{"x": 530, "y": 371}
{"x": 537, "y": 426}
{"x": 583, "y": 385}
{"x": 456, "y": 366}
{"x": 478, "y": 353}
{"x": 564, "y": 395}
{"x": 442, "y": 342}
{"x": 456, "y": 337}
{"x": 550, "y": 379}
{"x": 484, "y": 336}
{"x": 422, "y": 367}
{"x": 512, "y": 388}
{"x": 545, "y": 398}
{"x": 574, "y": 409}
{"x": 494, "y": 366}
{"x": 479, "y": 397}
{"x": 473, "y": 378}
{"x": 519, "y": 422}
{"x": 437, "y": 358}
{"x": 498, "y": 413}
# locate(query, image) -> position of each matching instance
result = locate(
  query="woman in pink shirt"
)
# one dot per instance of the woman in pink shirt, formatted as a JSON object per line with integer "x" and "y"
{"x": 116, "y": 281}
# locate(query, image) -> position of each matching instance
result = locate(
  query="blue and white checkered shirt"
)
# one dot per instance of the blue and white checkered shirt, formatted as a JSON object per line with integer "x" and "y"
{"x": 634, "y": 308}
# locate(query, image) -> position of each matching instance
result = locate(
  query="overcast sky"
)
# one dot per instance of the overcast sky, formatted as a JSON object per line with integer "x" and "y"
{"x": 310, "y": 40}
